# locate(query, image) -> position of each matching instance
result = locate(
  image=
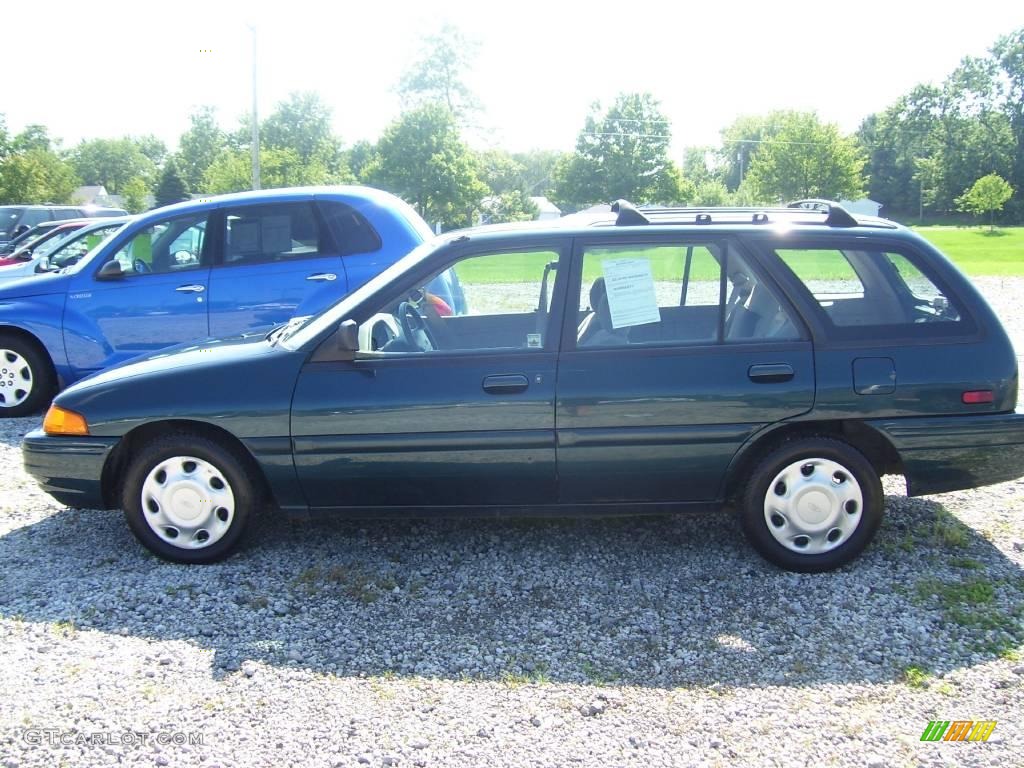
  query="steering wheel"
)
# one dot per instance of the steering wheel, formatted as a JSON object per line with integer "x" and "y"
{"x": 413, "y": 328}
{"x": 140, "y": 267}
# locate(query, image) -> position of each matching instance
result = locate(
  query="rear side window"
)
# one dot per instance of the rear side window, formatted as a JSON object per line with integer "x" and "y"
{"x": 351, "y": 231}
{"x": 869, "y": 289}
{"x": 271, "y": 233}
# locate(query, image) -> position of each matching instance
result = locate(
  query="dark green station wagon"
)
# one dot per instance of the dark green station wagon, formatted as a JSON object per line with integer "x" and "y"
{"x": 775, "y": 360}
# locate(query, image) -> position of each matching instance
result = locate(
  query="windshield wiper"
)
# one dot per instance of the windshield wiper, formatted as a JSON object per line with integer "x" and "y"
{"x": 282, "y": 332}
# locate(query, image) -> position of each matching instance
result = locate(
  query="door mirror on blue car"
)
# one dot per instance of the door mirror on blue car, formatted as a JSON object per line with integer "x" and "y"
{"x": 110, "y": 271}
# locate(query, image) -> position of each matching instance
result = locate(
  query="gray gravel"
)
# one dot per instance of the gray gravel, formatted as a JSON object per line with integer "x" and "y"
{"x": 660, "y": 641}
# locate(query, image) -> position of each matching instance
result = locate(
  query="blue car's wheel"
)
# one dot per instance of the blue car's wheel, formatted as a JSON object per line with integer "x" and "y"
{"x": 188, "y": 498}
{"x": 27, "y": 381}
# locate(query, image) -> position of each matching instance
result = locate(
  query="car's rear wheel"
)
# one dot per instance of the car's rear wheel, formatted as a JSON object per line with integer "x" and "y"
{"x": 188, "y": 498}
{"x": 812, "y": 505}
{"x": 27, "y": 381}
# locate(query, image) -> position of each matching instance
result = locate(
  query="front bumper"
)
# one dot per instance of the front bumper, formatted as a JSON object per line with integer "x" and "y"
{"x": 68, "y": 468}
{"x": 950, "y": 453}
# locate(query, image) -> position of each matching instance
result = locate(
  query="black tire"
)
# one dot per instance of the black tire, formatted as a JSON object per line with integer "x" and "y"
{"x": 756, "y": 522}
{"x": 43, "y": 380}
{"x": 234, "y": 470}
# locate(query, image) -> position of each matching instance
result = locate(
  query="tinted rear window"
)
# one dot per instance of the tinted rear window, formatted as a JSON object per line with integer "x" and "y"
{"x": 885, "y": 291}
{"x": 350, "y": 229}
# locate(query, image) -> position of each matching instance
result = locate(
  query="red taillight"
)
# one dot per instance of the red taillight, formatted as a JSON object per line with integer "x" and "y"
{"x": 977, "y": 396}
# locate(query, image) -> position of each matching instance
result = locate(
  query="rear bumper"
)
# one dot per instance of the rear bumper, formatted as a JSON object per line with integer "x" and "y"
{"x": 68, "y": 468}
{"x": 950, "y": 453}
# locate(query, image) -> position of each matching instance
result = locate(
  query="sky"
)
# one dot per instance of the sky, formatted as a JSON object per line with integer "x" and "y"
{"x": 110, "y": 69}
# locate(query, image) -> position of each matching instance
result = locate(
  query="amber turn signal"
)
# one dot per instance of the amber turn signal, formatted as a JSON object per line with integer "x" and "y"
{"x": 60, "y": 421}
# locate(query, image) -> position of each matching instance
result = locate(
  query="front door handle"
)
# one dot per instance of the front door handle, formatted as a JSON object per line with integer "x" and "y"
{"x": 323, "y": 277}
{"x": 505, "y": 384}
{"x": 767, "y": 374}
{"x": 194, "y": 288}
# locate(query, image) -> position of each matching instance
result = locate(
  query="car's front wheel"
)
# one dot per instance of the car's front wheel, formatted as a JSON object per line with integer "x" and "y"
{"x": 812, "y": 505}
{"x": 27, "y": 381}
{"x": 188, "y": 498}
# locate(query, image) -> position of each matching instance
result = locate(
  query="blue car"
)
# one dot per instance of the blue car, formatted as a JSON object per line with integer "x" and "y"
{"x": 215, "y": 267}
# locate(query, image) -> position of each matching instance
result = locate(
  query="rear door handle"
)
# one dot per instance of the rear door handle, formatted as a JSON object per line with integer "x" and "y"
{"x": 195, "y": 288}
{"x": 767, "y": 374}
{"x": 323, "y": 277}
{"x": 506, "y": 384}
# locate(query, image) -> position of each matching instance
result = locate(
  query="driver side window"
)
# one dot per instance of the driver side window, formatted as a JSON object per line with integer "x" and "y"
{"x": 169, "y": 246}
{"x": 496, "y": 301}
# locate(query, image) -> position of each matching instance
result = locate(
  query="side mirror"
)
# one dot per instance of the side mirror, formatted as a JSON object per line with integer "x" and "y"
{"x": 348, "y": 339}
{"x": 44, "y": 264}
{"x": 110, "y": 271}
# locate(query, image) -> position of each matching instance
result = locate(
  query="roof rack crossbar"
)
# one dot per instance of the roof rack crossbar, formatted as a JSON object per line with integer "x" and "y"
{"x": 628, "y": 215}
{"x": 835, "y": 214}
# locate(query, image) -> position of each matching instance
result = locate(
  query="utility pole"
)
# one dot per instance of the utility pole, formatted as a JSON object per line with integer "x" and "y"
{"x": 255, "y": 118}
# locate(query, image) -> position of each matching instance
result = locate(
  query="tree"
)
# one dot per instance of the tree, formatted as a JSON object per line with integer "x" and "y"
{"x": 438, "y": 74}
{"x": 622, "y": 153}
{"x": 199, "y": 146}
{"x": 742, "y": 139}
{"x": 987, "y": 195}
{"x": 232, "y": 171}
{"x": 302, "y": 123}
{"x": 134, "y": 193}
{"x": 511, "y": 205}
{"x": 422, "y": 159}
{"x": 359, "y": 157}
{"x": 806, "y": 158}
{"x": 172, "y": 187}
{"x": 112, "y": 163}
{"x": 36, "y": 176}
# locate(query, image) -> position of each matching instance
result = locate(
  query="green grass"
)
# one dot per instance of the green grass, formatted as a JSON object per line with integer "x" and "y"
{"x": 980, "y": 252}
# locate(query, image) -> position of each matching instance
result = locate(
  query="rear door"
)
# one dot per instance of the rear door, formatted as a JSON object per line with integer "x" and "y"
{"x": 682, "y": 351}
{"x": 272, "y": 256}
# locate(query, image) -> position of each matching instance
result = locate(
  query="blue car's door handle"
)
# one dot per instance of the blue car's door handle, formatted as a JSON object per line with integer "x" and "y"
{"x": 766, "y": 374}
{"x": 195, "y": 288}
{"x": 323, "y": 277}
{"x": 505, "y": 384}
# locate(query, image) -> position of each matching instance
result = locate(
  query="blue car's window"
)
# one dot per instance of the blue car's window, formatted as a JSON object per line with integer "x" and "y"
{"x": 270, "y": 233}
{"x": 858, "y": 289}
{"x": 497, "y": 301}
{"x": 352, "y": 232}
{"x": 690, "y": 293}
{"x": 170, "y": 246}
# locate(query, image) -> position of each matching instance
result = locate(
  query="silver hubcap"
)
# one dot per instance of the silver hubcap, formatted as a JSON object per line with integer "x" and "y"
{"x": 813, "y": 506}
{"x": 187, "y": 502}
{"x": 15, "y": 379}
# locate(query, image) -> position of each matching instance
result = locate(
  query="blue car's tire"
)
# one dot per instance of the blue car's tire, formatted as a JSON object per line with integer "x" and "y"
{"x": 27, "y": 379}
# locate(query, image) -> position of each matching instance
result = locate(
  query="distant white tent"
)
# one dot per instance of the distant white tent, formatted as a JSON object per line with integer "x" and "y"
{"x": 864, "y": 206}
{"x": 546, "y": 209}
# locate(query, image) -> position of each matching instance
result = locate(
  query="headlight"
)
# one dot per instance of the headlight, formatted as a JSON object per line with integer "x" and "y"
{"x": 60, "y": 421}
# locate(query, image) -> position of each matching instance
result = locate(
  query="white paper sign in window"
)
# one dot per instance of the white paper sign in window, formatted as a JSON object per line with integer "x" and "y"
{"x": 276, "y": 232}
{"x": 631, "y": 298}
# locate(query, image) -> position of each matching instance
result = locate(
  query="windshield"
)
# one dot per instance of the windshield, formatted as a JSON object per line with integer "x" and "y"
{"x": 334, "y": 314}
{"x": 72, "y": 251}
{"x": 49, "y": 244}
{"x": 8, "y": 218}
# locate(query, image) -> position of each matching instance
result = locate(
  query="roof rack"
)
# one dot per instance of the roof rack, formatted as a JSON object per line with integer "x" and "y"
{"x": 628, "y": 215}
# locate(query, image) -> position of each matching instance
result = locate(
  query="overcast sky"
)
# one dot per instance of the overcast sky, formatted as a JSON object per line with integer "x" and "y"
{"x": 106, "y": 69}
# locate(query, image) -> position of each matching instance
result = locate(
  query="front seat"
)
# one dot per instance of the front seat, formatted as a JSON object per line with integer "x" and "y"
{"x": 596, "y": 328}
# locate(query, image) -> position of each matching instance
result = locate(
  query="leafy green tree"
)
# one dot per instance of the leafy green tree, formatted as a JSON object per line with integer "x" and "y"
{"x": 153, "y": 148}
{"x": 538, "y": 170}
{"x": 710, "y": 193}
{"x": 987, "y": 195}
{"x": 422, "y": 158}
{"x": 199, "y": 146}
{"x": 134, "y": 194}
{"x": 742, "y": 139}
{"x": 302, "y": 123}
{"x": 36, "y": 176}
{"x": 112, "y": 163}
{"x": 172, "y": 187}
{"x": 511, "y": 205}
{"x": 34, "y": 136}
{"x": 806, "y": 158}
{"x": 359, "y": 157}
{"x": 621, "y": 153}
{"x": 1008, "y": 53}
{"x": 232, "y": 171}
{"x": 438, "y": 75}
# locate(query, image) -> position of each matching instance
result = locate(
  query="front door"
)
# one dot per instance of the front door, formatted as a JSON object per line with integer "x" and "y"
{"x": 157, "y": 299}
{"x": 682, "y": 352}
{"x": 443, "y": 405}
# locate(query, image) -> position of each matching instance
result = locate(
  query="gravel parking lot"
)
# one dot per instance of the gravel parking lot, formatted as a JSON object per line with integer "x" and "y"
{"x": 653, "y": 641}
